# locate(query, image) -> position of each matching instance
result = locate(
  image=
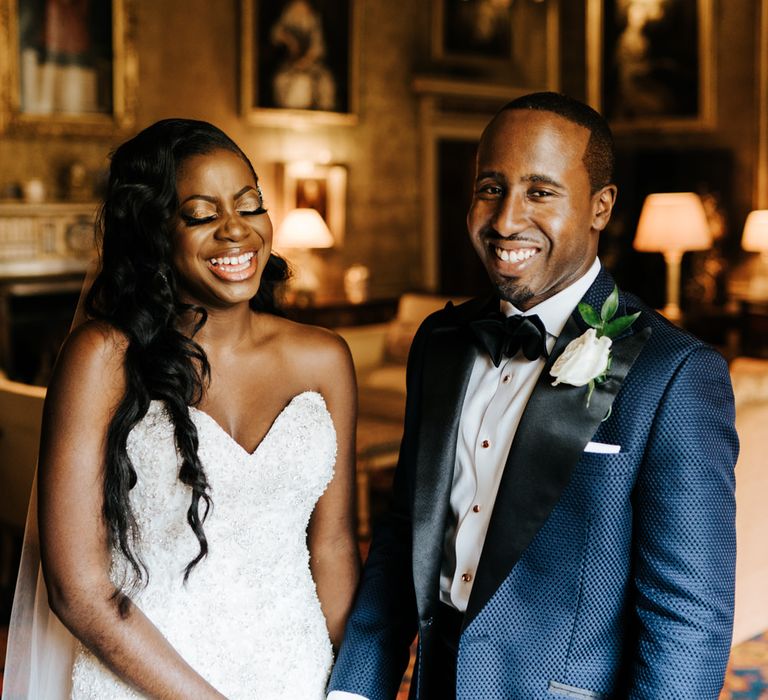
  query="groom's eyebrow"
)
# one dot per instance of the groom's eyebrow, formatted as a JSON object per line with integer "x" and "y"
{"x": 538, "y": 179}
{"x": 494, "y": 174}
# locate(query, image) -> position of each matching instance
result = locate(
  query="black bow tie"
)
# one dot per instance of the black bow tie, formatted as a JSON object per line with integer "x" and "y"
{"x": 505, "y": 335}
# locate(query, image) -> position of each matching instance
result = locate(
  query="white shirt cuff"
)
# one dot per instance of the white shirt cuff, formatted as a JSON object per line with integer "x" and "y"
{"x": 344, "y": 695}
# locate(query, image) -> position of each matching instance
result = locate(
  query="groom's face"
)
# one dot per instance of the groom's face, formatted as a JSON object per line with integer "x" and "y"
{"x": 534, "y": 220}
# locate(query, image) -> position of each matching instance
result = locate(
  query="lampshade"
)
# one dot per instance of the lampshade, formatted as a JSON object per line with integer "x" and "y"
{"x": 755, "y": 236}
{"x": 303, "y": 228}
{"x": 672, "y": 221}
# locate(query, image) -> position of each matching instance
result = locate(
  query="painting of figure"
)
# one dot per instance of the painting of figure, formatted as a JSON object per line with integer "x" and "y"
{"x": 477, "y": 28}
{"x": 653, "y": 60}
{"x": 65, "y": 57}
{"x": 302, "y": 55}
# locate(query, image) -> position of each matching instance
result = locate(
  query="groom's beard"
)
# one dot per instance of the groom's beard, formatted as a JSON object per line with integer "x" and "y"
{"x": 510, "y": 291}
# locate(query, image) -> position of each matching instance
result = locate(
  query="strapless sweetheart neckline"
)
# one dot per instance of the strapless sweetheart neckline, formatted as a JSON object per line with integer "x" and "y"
{"x": 275, "y": 421}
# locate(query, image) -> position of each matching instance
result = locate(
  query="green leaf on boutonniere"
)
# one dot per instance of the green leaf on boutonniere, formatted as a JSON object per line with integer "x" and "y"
{"x": 610, "y": 306}
{"x": 619, "y": 325}
{"x": 589, "y": 315}
{"x": 605, "y": 324}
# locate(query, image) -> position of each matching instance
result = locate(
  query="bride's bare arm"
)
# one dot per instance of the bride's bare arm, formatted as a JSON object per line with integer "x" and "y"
{"x": 332, "y": 543}
{"x": 86, "y": 387}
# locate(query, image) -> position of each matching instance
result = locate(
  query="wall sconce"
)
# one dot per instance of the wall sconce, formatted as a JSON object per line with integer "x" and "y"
{"x": 672, "y": 223}
{"x": 755, "y": 240}
{"x": 301, "y": 231}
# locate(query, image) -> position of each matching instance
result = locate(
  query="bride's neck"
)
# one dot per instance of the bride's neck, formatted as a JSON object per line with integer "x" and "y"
{"x": 223, "y": 327}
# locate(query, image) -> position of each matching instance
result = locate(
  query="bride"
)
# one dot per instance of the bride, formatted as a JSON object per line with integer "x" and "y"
{"x": 195, "y": 479}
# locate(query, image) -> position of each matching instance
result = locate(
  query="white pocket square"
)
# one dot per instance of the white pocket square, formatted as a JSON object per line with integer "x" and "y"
{"x": 602, "y": 448}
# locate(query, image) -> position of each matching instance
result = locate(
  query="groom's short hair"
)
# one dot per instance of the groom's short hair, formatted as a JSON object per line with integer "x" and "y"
{"x": 600, "y": 154}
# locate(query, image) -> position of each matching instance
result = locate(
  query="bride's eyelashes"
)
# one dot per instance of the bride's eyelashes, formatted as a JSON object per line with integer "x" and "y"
{"x": 191, "y": 220}
{"x": 197, "y": 220}
{"x": 254, "y": 212}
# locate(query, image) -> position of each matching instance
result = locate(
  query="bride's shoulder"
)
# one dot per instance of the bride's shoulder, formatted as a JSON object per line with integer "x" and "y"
{"x": 304, "y": 343}
{"x": 93, "y": 353}
{"x": 96, "y": 341}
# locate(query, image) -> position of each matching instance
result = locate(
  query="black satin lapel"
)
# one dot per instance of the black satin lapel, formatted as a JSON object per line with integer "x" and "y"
{"x": 551, "y": 437}
{"x": 449, "y": 357}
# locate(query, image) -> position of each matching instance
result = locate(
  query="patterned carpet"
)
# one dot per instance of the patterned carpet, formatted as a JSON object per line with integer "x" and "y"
{"x": 747, "y": 677}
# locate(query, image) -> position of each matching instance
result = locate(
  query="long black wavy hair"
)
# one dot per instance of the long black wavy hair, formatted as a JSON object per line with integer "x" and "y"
{"x": 136, "y": 291}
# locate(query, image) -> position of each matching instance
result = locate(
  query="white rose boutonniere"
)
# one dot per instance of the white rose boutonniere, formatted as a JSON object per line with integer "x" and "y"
{"x": 583, "y": 360}
{"x": 587, "y": 359}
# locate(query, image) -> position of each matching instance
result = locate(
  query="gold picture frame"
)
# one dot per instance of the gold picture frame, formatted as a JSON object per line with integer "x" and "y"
{"x": 761, "y": 183}
{"x": 652, "y": 81}
{"x": 516, "y": 45}
{"x": 318, "y": 186}
{"x": 278, "y": 85}
{"x": 71, "y": 73}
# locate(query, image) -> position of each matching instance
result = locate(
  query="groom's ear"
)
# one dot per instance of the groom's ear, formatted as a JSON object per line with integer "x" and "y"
{"x": 602, "y": 206}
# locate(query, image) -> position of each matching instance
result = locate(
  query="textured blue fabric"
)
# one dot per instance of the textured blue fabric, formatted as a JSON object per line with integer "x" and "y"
{"x": 626, "y": 591}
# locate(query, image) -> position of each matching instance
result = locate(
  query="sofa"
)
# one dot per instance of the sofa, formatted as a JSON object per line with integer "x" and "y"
{"x": 380, "y": 352}
{"x": 750, "y": 387}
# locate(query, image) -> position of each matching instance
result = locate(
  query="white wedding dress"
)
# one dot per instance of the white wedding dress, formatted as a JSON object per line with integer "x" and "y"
{"x": 248, "y": 619}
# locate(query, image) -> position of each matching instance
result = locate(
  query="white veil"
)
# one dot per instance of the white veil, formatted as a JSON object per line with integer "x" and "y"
{"x": 38, "y": 662}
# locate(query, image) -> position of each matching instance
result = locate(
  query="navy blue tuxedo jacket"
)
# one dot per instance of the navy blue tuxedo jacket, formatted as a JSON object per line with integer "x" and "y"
{"x": 602, "y": 575}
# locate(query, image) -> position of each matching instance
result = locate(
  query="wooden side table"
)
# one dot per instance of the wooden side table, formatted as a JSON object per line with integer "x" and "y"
{"x": 378, "y": 446}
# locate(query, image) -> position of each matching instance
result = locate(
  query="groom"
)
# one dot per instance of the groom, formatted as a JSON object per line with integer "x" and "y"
{"x": 562, "y": 524}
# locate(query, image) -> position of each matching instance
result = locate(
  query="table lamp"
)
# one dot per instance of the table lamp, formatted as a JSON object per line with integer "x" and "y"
{"x": 755, "y": 240}
{"x": 300, "y": 231}
{"x": 671, "y": 223}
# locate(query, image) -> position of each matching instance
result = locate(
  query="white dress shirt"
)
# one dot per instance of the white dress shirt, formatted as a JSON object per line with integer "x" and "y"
{"x": 493, "y": 406}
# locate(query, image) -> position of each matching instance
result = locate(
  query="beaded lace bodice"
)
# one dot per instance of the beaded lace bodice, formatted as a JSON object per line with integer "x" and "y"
{"x": 248, "y": 619}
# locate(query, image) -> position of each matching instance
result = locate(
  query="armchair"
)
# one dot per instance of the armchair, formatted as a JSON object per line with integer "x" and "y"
{"x": 21, "y": 410}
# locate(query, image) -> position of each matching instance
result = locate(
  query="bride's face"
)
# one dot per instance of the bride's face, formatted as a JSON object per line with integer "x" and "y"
{"x": 222, "y": 234}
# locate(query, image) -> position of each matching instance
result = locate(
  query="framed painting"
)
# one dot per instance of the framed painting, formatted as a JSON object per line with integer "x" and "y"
{"x": 503, "y": 40}
{"x": 316, "y": 186}
{"x": 650, "y": 63}
{"x": 68, "y": 66}
{"x": 299, "y": 60}
{"x": 761, "y": 186}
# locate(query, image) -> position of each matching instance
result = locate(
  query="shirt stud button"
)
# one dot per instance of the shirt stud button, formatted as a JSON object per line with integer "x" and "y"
{"x": 466, "y": 577}
{"x": 485, "y": 443}
{"x": 506, "y": 379}
{"x": 475, "y": 509}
